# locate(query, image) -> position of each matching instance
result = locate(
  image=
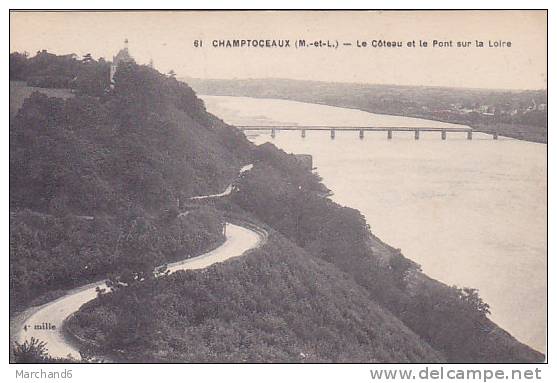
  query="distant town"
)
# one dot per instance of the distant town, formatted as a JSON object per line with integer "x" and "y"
{"x": 489, "y": 110}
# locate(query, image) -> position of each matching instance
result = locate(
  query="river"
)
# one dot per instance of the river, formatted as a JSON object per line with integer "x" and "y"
{"x": 472, "y": 213}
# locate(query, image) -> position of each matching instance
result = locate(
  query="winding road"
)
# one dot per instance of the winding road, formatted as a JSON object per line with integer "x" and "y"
{"x": 45, "y": 322}
{"x": 228, "y": 189}
{"x": 238, "y": 240}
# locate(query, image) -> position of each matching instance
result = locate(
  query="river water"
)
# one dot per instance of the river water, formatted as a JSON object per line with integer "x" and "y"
{"x": 472, "y": 213}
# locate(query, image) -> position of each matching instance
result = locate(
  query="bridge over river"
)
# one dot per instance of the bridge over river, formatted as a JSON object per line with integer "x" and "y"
{"x": 361, "y": 129}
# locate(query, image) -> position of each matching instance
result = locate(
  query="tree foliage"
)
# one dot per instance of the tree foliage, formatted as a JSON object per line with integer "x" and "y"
{"x": 96, "y": 183}
{"x": 278, "y": 304}
{"x": 96, "y": 186}
{"x": 31, "y": 351}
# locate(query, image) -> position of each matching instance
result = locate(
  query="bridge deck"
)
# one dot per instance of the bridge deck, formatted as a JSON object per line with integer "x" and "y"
{"x": 353, "y": 128}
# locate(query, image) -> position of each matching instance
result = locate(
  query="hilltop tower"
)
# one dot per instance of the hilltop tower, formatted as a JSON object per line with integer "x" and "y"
{"x": 122, "y": 56}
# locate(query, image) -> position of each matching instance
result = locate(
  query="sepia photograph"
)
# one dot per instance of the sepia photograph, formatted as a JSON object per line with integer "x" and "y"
{"x": 269, "y": 186}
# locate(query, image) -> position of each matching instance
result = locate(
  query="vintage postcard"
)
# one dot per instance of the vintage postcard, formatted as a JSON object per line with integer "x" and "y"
{"x": 278, "y": 187}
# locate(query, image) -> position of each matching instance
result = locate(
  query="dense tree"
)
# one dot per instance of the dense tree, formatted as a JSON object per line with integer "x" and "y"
{"x": 126, "y": 168}
{"x": 97, "y": 183}
{"x": 451, "y": 319}
{"x": 18, "y": 66}
{"x": 278, "y": 304}
{"x": 47, "y": 70}
{"x": 472, "y": 298}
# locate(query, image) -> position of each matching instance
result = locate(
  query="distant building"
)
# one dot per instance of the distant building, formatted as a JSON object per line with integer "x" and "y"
{"x": 122, "y": 56}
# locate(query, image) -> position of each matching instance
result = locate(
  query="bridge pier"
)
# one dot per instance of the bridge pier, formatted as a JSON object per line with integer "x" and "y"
{"x": 274, "y": 129}
{"x": 495, "y": 135}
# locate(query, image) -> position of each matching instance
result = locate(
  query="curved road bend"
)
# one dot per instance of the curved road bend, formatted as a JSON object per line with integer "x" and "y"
{"x": 228, "y": 189}
{"x": 238, "y": 240}
{"x": 45, "y": 322}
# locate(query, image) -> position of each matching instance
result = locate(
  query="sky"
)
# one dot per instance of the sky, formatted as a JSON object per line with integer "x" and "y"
{"x": 168, "y": 39}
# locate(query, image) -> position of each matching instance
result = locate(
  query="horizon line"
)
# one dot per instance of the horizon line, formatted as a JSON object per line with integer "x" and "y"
{"x": 363, "y": 83}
